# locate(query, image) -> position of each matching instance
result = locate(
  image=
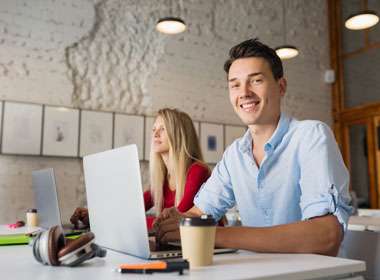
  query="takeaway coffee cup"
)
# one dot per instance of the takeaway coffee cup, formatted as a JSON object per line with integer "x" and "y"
{"x": 198, "y": 240}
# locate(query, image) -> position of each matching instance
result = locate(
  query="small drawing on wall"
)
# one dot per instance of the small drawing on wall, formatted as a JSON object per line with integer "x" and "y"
{"x": 212, "y": 141}
{"x": 233, "y": 132}
{"x": 129, "y": 130}
{"x": 196, "y": 126}
{"x": 61, "y": 132}
{"x": 22, "y": 128}
{"x": 96, "y": 132}
{"x": 1, "y": 119}
{"x": 149, "y": 121}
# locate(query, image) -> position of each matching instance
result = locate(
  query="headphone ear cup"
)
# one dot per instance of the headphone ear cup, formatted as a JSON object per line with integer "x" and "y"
{"x": 36, "y": 248}
{"x": 46, "y": 245}
{"x": 77, "y": 251}
{"x": 55, "y": 243}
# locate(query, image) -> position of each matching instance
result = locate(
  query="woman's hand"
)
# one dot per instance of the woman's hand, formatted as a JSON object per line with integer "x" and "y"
{"x": 80, "y": 215}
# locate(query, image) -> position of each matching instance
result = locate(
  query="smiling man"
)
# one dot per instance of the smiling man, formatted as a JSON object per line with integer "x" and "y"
{"x": 286, "y": 177}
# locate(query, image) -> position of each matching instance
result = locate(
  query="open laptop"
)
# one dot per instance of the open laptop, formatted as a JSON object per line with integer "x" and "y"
{"x": 46, "y": 201}
{"x": 116, "y": 205}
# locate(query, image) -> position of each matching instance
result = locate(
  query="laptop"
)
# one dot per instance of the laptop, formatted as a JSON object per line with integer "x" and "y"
{"x": 116, "y": 205}
{"x": 46, "y": 201}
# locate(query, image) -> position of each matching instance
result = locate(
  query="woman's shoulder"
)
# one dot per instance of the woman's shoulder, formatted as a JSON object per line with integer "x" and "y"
{"x": 198, "y": 167}
{"x": 197, "y": 173}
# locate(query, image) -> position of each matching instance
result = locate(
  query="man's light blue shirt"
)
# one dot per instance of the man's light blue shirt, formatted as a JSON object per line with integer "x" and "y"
{"x": 301, "y": 176}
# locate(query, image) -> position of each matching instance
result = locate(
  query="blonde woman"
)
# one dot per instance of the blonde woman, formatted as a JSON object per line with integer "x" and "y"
{"x": 176, "y": 166}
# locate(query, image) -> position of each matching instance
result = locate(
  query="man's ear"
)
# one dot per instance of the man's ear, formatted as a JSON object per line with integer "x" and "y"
{"x": 283, "y": 84}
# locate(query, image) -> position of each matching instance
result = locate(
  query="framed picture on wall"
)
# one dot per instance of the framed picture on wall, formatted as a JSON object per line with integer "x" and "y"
{"x": 232, "y": 132}
{"x": 1, "y": 119}
{"x": 129, "y": 130}
{"x": 149, "y": 121}
{"x": 212, "y": 141}
{"x": 196, "y": 126}
{"x": 96, "y": 130}
{"x": 61, "y": 132}
{"x": 22, "y": 126}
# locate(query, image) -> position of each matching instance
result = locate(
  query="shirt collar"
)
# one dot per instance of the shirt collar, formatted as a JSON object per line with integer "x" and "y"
{"x": 245, "y": 143}
{"x": 282, "y": 128}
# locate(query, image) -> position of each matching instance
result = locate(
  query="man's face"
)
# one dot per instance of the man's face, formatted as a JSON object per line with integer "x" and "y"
{"x": 254, "y": 93}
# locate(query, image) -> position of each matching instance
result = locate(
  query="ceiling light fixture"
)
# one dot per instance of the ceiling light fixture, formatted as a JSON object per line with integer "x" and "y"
{"x": 286, "y": 51}
{"x": 171, "y": 25}
{"x": 362, "y": 20}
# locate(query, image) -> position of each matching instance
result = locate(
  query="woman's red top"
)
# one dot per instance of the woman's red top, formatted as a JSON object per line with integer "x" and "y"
{"x": 196, "y": 176}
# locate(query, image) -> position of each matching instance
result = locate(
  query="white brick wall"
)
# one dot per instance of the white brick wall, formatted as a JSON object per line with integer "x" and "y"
{"x": 107, "y": 55}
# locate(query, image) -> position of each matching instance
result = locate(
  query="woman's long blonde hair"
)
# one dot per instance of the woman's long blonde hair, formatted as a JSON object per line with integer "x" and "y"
{"x": 184, "y": 149}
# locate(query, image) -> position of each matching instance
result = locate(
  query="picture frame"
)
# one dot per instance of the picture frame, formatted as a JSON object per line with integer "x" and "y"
{"x": 22, "y": 127}
{"x": 1, "y": 122}
{"x": 149, "y": 121}
{"x": 233, "y": 132}
{"x": 196, "y": 126}
{"x": 96, "y": 131}
{"x": 61, "y": 132}
{"x": 129, "y": 129}
{"x": 212, "y": 142}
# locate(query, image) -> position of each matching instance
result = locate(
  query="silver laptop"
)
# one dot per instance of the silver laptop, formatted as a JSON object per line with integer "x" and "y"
{"x": 115, "y": 203}
{"x": 46, "y": 201}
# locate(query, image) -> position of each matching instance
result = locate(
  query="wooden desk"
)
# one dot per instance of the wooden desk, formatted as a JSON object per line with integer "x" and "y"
{"x": 17, "y": 262}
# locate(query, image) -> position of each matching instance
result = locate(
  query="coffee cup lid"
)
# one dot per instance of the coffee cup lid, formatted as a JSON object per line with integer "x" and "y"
{"x": 32, "y": 210}
{"x": 204, "y": 220}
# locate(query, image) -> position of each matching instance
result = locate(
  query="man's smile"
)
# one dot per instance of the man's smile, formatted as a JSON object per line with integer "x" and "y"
{"x": 249, "y": 106}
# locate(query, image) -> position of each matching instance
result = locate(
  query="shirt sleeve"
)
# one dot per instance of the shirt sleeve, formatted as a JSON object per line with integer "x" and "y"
{"x": 216, "y": 195}
{"x": 196, "y": 176}
{"x": 324, "y": 179}
{"x": 148, "y": 200}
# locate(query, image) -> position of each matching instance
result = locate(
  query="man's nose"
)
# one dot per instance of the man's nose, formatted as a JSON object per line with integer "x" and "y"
{"x": 246, "y": 90}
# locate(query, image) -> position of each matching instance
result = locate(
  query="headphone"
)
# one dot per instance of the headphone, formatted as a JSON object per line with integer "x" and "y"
{"x": 52, "y": 248}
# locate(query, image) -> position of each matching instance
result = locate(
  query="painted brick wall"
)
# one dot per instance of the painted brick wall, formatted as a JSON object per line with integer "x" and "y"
{"x": 106, "y": 55}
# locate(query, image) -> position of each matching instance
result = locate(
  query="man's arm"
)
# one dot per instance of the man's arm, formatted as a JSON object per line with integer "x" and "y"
{"x": 320, "y": 235}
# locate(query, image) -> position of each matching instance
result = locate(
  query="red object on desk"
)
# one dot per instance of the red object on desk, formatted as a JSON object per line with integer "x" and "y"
{"x": 16, "y": 224}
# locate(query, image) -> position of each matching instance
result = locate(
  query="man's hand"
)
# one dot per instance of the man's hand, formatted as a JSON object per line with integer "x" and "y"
{"x": 167, "y": 225}
{"x": 80, "y": 215}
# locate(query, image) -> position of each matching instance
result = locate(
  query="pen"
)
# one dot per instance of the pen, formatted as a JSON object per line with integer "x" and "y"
{"x": 159, "y": 266}
{"x": 149, "y": 271}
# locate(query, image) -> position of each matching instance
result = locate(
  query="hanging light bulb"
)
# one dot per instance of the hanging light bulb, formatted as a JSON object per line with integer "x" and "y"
{"x": 362, "y": 20}
{"x": 287, "y": 51}
{"x": 171, "y": 25}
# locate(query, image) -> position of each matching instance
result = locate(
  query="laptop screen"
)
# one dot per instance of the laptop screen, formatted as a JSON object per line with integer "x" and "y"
{"x": 46, "y": 200}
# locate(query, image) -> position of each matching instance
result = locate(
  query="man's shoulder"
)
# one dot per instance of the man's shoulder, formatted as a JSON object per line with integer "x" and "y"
{"x": 310, "y": 132}
{"x": 306, "y": 127}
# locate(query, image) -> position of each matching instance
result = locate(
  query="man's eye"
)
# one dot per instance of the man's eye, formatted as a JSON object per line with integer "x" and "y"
{"x": 256, "y": 81}
{"x": 234, "y": 86}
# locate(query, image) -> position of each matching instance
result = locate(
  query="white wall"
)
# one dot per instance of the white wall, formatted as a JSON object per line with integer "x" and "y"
{"x": 106, "y": 55}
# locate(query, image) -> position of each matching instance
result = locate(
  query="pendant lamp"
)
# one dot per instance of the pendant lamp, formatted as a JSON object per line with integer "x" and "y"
{"x": 361, "y": 20}
{"x": 170, "y": 25}
{"x": 286, "y": 51}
